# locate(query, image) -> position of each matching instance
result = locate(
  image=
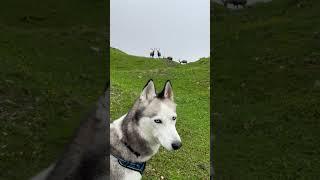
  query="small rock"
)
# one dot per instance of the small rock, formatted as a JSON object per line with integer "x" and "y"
{"x": 161, "y": 177}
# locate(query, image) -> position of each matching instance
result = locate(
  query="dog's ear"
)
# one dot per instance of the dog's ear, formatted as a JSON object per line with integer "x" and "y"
{"x": 148, "y": 92}
{"x": 167, "y": 91}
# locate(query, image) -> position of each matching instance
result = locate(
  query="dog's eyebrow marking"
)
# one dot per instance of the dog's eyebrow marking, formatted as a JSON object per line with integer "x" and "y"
{"x": 141, "y": 113}
{"x": 152, "y": 115}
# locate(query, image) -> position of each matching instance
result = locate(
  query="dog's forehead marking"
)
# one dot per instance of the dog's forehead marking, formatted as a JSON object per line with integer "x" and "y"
{"x": 156, "y": 106}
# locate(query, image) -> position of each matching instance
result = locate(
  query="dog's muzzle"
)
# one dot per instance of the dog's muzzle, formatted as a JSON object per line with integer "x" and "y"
{"x": 176, "y": 145}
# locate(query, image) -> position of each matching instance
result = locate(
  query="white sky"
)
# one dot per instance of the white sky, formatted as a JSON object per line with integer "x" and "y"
{"x": 180, "y": 28}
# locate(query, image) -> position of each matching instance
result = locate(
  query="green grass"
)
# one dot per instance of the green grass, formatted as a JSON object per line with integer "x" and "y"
{"x": 266, "y": 91}
{"x": 191, "y": 90}
{"x": 49, "y": 77}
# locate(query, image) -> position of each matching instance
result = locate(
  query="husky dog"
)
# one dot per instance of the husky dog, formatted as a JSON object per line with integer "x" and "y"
{"x": 136, "y": 136}
{"x": 86, "y": 157}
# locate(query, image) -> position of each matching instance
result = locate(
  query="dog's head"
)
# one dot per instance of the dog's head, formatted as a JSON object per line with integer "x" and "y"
{"x": 158, "y": 116}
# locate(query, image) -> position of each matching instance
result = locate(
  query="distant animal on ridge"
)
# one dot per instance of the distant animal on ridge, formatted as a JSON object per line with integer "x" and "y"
{"x": 158, "y": 53}
{"x": 170, "y": 58}
{"x": 183, "y": 61}
{"x": 236, "y": 3}
{"x": 152, "y": 53}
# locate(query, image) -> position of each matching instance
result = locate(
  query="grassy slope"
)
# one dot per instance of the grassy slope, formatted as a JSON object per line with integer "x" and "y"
{"x": 190, "y": 83}
{"x": 48, "y": 78}
{"x": 266, "y": 93}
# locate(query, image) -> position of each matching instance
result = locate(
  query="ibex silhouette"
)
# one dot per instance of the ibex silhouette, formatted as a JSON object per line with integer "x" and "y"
{"x": 158, "y": 53}
{"x": 152, "y": 53}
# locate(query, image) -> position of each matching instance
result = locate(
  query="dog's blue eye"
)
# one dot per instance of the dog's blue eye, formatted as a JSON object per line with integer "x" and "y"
{"x": 174, "y": 118}
{"x": 157, "y": 121}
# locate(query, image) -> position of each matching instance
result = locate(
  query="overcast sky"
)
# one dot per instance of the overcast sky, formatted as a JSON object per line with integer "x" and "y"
{"x": 180, "y": 28}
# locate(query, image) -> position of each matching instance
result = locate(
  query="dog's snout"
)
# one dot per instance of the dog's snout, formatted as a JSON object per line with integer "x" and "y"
{"x": 176, "y": 145}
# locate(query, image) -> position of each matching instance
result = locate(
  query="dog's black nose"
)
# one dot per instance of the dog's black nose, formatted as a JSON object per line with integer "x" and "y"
{"x": 176, "y": 145}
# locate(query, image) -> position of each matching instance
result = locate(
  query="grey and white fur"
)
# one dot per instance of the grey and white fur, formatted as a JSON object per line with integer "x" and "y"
{"x": 137, "y": 135}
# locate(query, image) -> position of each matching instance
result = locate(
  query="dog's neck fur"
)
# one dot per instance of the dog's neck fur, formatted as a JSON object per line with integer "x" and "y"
{"x": 128, "y": 142}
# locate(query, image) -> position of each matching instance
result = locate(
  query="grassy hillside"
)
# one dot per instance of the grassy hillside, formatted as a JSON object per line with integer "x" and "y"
{"x": 49, "y": 76}
{"x": 267, "y": 90}
{"x": 191, "y": 89}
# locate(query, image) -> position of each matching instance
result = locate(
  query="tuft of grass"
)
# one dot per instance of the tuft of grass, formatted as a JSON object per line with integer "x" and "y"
{"x": 266, "y": 97}
{"x": 191, "y": 91}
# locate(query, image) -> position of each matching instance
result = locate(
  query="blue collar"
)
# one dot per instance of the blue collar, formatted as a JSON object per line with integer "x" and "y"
{"x": 136, "y": 166}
